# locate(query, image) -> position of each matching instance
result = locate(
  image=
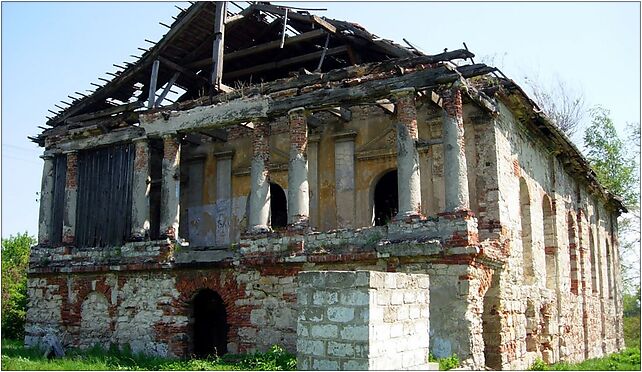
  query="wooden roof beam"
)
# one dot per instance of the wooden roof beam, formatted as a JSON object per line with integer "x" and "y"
{"x": 146, "y": 60}
{"x": 285, "y": 62}
{"x": 106, "y": 112}
{"x": 261, "y": 48}
{"x": 312, "y": 19}
{"x": 181, "y": 69}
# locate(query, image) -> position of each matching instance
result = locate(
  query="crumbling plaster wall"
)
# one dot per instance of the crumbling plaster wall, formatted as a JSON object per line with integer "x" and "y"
{"x": 522, "y": 154}
{"x": 374, "y": 147}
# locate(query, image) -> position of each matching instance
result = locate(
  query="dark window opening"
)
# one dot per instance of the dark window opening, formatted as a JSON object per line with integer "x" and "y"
{"x": 58, "y": 205}
{"x": 155, "y": 169}
{"x": 210, "y": 324}
{"x": 386, "y": 201}
{"x": 278, "y": 207}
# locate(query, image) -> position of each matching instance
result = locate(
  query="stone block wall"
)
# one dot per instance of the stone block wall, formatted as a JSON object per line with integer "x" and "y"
{"x": 361, "y": 320}
{"x": 568, "y": 247}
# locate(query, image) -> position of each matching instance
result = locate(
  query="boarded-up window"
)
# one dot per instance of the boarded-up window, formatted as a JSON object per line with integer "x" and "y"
{"x": 103, "y": 216}
{"x": 58, "y": 197}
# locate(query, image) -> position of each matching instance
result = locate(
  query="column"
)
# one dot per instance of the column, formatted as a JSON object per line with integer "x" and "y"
{"x": 344, "y": 174}
{"x": 223, "y": 197}
{"x": 71, "y": 199}
{"x": 298, "y": 191}
{"x": 313, "y": 179}
{"x": 141, "y": 184}
{"x": 455, "y": 172}
{"x": 408, "y": 179}
{"x": 259, "y": 183}
{"x": 46, "y": 200}
{"x": 170, "y": 187}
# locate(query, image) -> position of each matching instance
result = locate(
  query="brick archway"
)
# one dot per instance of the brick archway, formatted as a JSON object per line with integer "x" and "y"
{"x": 209, "y": 324}
{"x": 224, "y": 284}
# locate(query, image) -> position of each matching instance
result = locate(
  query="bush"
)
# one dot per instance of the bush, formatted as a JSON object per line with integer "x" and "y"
{"x": 632, "y": 331}
{"x": 448, "y": 363}
{"x": 539, "y": 365}
{"x": 15, "y": 261}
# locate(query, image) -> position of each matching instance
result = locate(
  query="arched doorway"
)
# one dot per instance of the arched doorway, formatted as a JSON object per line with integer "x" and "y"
{"x": 278, "y": 207}
{"x": 386, "y": 200}
{"x": 209, "y": 324}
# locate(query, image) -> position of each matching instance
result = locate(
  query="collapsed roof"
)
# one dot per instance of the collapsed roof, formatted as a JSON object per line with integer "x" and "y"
{"x": 267, "y": 45}
{"x": 255, "y": 51}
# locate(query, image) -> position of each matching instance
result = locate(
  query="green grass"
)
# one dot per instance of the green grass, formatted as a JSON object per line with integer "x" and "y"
{"x": 628, "y": 360}
{"x": 17, "y": 357}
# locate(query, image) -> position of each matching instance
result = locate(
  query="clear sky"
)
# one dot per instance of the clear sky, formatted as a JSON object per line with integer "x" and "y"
{"x": 51, "y": 50}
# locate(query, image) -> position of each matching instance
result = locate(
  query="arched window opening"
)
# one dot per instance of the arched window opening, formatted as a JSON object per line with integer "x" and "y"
{"x": 386, "y": 200}
{"x": 492, "y": 324}
{"x": 550, "y": 244}
{"x": 527, "y": 235}
{"x": 609, "y": 269}
{"x": 573, "y": 254}
{"x": 209, "y": 324}
{"x": 278, "y": 207}
{"x": 593, "y": 261}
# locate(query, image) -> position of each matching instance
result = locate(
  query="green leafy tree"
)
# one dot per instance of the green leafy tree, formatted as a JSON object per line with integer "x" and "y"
{"x": 15, "y": 261}
{"x": 616, "y": 164}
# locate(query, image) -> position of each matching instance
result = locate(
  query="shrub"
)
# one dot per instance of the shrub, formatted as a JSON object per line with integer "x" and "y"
{"x": 539, "y": 365}
{"x": 631, "y": 327}
{"x": 15, "y": 261}
{"x": 448, "y": 363}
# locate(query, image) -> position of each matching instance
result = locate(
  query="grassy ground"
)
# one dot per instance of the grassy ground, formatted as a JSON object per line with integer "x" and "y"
{"x": 628, "y": 360}
{"x": 16, "y": 357}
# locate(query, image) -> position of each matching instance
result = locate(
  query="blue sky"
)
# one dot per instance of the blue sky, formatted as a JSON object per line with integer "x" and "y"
{"x": 50, "y": 50}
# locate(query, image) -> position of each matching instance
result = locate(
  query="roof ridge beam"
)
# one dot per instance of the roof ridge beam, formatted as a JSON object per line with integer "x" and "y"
{"x": 261, "y": 48}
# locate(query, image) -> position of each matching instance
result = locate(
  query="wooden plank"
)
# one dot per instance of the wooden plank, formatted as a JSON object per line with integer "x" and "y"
{"x": 167, "y": 89}
{"x": 117, "y": 136}
{"x": 285, "y": 62}
{"x": 312, "y": 19}
{"x": 243, "y": 110}
{"x": 181, "y": 69}
{"x": 152, "y": 85}
{"x": 325, "y": 50}
{"x": 285, "y": 28}
{"x": 341, "y": 112}
{"x": 262, "y": 48}
{"x": 217, "y": 47}
{"x": 106, "y": 112}
{"x": 375, "y": 89}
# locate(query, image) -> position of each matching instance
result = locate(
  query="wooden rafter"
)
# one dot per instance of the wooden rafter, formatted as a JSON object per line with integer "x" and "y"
{"x": 261, "y": 48}
{"x": 312, "y": 19}
{"x": 111, "y": 86}
{"x": 176, "y": 67}
{"x": 285, "y": 62}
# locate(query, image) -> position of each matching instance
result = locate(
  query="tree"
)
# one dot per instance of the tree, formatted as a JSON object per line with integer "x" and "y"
{"x": 15, "y": 261}
{"x": 565, "y": 106}
{"x": 616, "y": 165}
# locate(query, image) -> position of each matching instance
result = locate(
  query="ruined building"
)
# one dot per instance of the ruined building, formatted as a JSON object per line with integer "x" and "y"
{"x": 299, "y": 143}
